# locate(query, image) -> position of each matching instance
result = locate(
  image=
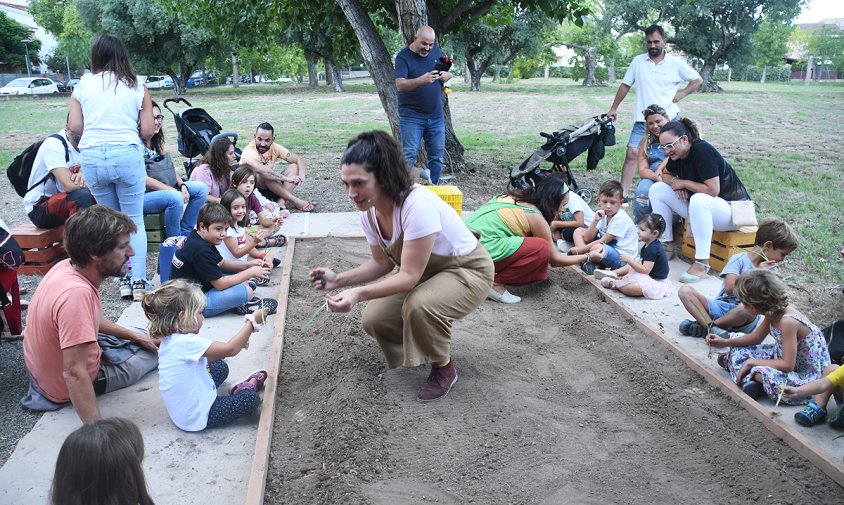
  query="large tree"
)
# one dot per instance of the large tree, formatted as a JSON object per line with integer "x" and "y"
{"x": 713, "y": 31}
{"x": 155, "y": 39}
{"x": 770, "y": 44}
{"x": 12, "y": 50}
{"x": 60, "y": 18}
{"x": 827, "y": 47}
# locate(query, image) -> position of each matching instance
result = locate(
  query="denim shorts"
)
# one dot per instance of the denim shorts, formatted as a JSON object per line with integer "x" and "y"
{"x": 636, "y": 135}
{"x": 612, "y": 258}
{"x": 717, "y": 308}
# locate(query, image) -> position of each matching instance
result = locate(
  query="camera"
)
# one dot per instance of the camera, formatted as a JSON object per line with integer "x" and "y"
{"x": 444, "y": 64}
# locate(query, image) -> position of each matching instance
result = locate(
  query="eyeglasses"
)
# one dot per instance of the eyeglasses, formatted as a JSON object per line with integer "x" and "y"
{"x": 158, "y": 118}
{"x": 670, "y": 146}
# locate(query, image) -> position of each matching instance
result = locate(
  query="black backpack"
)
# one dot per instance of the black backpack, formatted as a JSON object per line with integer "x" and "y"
{"x": 21, "y": 168}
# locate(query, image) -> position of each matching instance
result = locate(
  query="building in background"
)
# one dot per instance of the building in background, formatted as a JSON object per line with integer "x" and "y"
{"x": 19, "y": 11}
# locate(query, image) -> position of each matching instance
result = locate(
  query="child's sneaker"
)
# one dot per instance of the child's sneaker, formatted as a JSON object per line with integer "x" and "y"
{"x": 607, "y": 282}
{"x": 755, "y": 390}
{"x": 836, "y": 420}
{"x": 605, "y": 274}
{"x": 692, "y": 328}
{"x": 563, "y": 246}
{"x": 125, "y": 287}
{"x": 811, "y": 415}
{"x": 139, "y": 287}
{"x": 588, "y": 267}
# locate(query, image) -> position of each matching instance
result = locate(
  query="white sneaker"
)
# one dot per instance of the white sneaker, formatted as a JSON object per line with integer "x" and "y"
{"x": 425, "y": 174}
{"x": 607, "y": 282}
{"x": 125, "y": 287}
{"x": 605, "y": 274}
{"x": 563, "y": 246}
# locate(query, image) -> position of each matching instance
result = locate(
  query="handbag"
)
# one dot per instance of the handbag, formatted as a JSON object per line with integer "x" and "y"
{"x": 162, "y": 169}
{"x": 743, "y": 213}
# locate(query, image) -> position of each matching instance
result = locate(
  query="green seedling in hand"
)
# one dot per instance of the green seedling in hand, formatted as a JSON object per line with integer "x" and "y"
{"x": 779, "y": 398}
{"x": 703, "y": 315}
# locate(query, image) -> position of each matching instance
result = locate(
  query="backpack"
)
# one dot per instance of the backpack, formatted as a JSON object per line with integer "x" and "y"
{"x": 21, "y": 168}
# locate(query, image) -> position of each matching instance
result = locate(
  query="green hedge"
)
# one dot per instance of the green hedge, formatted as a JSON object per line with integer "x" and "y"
{"x": 752, "y": 73}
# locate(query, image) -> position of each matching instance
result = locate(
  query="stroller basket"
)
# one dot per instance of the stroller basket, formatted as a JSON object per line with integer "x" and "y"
{"x": 564, "y": 146}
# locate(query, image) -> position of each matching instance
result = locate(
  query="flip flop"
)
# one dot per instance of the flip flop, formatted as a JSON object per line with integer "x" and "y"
{"x": 260, "y": 377}
{"x": 308, "y": 207}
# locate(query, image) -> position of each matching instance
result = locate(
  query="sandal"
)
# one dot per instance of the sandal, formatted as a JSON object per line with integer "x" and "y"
{"x": 256, "y": 303}
{"x": 276, "y": 262}
{"x": 275, "y": 241}
{"x": 260, "y": 377}
{"x": 723, "y": 361}
{"x": 264, "y": 280}
{"x": 308, "y": 207}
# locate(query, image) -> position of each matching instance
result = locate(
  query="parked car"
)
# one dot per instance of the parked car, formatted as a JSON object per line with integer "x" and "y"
{"x": 30, "y": 86}
{"x": 198, "y": 79}
{"x": 71, "y": 84}
{"x": 159, "y": 81}
{"x": 61, "y": 86}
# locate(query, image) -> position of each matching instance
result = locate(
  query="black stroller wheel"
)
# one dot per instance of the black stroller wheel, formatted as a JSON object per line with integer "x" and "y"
{"x": 586, "y": 194}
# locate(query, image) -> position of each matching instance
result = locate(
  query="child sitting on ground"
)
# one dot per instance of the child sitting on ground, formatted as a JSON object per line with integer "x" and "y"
{"x": 191, "y": 368}
{"x": 610, "y": 235}
{"x": 577, "y": 214}
{"x": 198, "y": 260}
{"x": 239, "y": 245}
{"x": 798, "y": 355}
{"x": 243, "y": 180}
{"x": 648, "y": 278}
{"x": 832, "y": 383}
{"x": 774, "y": 241}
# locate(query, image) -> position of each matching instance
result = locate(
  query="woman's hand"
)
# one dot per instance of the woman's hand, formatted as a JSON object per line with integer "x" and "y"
{"x": 344, "y": 301}
{"x": 323, "y": 279}
{"x": 185, "y": 193}
{"x": 716, "y": 341}
{"x": 682, "y": 194}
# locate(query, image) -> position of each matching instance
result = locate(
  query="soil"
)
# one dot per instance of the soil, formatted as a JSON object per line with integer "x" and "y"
{"x": 559, "y": 400}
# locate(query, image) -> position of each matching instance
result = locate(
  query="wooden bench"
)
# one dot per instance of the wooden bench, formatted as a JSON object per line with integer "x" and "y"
{"x": 42, "y": 248}
{"x": 724, "y": 245}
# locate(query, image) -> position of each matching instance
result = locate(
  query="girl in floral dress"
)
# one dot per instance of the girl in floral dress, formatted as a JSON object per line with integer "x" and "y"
{"x": 798, "y": 354}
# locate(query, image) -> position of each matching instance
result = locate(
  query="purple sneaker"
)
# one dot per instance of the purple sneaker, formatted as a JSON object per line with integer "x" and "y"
{"x": 439, "y": 383}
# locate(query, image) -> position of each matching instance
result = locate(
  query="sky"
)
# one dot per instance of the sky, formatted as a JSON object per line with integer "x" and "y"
{"x": 815, "y": 10}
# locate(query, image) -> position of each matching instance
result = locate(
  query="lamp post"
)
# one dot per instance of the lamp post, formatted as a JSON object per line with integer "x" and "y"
{"x": 28, "y": 66}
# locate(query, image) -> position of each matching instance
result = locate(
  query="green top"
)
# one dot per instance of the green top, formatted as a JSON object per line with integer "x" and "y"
{"x": 496, "y": 237}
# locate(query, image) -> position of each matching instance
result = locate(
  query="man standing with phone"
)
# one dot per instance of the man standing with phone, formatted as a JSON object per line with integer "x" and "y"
{"x": 419, "y": 86}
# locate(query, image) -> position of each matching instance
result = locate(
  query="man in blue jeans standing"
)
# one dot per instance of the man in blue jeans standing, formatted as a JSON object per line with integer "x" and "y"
{"x": 419, "y": 89}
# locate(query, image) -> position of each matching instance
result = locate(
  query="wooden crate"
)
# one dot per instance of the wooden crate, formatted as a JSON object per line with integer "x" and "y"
{"x": 42, "y": 248}
{"x": 724, "y": 245}
{"x": 156, "y": 233}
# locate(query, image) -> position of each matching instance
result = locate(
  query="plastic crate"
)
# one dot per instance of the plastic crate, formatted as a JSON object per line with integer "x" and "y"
{"x": 450, "y": 195}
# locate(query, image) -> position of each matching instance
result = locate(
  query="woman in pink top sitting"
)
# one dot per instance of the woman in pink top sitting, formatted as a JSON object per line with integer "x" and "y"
{"x": 216, "y": 169}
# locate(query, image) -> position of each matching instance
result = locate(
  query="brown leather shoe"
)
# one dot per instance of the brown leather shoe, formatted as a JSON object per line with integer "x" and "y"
{"x": 439, "y": 383}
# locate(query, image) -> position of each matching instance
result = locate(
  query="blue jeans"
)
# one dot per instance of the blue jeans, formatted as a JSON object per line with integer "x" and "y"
{"x": 217, "y": 302}
{"x": 179, "y": 218}
{"x": 116, "y": 176}
{"x": 641, "y": 202}
{"x": 433, "y": 131}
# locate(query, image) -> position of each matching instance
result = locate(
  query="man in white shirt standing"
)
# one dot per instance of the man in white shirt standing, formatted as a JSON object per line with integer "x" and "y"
{"x": 656, "y": 76}
{"x": 58, "y": 189}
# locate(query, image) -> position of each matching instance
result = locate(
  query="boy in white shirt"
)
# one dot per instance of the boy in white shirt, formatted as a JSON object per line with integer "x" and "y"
{"x": 611, "y": 233}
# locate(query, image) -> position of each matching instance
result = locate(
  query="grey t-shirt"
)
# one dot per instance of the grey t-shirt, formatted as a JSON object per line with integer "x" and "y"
{"x": 737, "y": 265}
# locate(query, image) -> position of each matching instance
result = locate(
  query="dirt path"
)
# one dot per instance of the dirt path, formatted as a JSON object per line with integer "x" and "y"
{"x": 559, "y": 400}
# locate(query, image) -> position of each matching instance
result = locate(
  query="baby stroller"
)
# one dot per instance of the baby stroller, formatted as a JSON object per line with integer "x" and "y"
{"x": 561, "y": 148}
{"x": 196, "y": 130}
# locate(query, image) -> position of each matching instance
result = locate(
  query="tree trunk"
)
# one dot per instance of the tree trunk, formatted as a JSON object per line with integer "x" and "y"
{"x": 453, "y": 155}
{"x": 329, "y": 72}
{"x": 590, "y": 62}
{"x": 411, "y": 15}
{"x": 235, "y": 70}
{"x": 467, "y": 75}
{"x": 706, "y": 73}
{"x": 809, "y": 64}
{"x": 497, "y": 74}
{"x": 337, "y": 78}
{"x": 611, "y": 70}
{"x": 377, "y": 59}
{"x": 547, "y": 72}
{"x": 313, "y": 79}
{"x": 764, "y": 74}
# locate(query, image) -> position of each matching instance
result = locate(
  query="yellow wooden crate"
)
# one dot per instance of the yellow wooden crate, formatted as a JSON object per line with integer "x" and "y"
{"x": 450, "y": 195}
{"x": 724, "y": 245}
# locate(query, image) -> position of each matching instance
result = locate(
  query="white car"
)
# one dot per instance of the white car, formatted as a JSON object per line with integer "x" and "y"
{"x": 158, "y": 81}
{"x": 29, "y": 86}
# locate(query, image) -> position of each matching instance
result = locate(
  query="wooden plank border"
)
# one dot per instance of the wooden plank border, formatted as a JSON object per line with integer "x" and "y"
{"x": 260, "y": 461}
{"x": 779, "y": 428}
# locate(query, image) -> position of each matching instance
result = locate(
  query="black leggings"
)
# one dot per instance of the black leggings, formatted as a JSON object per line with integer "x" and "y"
{"x": 228, "y": 408}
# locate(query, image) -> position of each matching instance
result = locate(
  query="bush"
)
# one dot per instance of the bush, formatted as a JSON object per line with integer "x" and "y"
{"x": 560, "y": 72}
{"x": 751, "y": 73}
